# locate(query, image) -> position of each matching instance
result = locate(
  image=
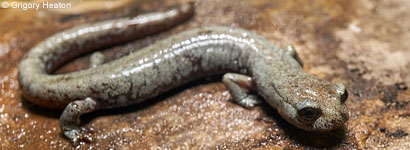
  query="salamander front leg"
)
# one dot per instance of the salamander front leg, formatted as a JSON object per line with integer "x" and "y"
{"x": 70, "y": 120}
{"x": 292, "y": 52}
{"x": 96, "y": 59}
{"x": 236, "y": 83}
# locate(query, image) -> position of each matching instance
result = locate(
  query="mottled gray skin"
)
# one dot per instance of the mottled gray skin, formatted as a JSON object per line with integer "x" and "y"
{"x": 249, "y": 60}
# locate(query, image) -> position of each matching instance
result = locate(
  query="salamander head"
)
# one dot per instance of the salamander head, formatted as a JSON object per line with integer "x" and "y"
{"x": 317, "y": 105}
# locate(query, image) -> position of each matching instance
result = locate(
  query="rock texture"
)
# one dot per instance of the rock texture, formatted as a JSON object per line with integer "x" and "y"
{"x": 361, "y": 43}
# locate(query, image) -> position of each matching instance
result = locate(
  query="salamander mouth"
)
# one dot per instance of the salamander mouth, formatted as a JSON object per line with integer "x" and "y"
{"x": 325, "y": 125}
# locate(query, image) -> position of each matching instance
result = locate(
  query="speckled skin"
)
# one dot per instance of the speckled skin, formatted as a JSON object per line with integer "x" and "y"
{"x": 249, "y": 60}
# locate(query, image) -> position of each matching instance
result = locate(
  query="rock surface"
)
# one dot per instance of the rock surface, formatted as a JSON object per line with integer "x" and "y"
{"x": 361, "y": 43}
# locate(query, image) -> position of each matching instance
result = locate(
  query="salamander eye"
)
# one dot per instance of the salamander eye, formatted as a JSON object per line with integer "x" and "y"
{"x": 344, "y": 96}
{"x": 308, "y": 111}
{"x": 341, "y": 90}
{"x": 309, "y": 114}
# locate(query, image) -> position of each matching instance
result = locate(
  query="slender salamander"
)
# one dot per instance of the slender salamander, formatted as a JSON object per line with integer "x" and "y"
{"x": 249, "y": 61}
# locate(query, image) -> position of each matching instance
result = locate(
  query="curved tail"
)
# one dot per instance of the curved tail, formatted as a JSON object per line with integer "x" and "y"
{"x": 56, "y": 50}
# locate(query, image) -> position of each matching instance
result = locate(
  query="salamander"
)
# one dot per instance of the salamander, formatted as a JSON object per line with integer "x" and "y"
{"x": 248, "y": 61}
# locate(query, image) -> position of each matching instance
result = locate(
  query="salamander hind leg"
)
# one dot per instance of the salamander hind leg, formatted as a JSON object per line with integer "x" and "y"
{"x": 292, "y": 52}
{"x": 237, "y": 84}
{"x": 70, "y": 120}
